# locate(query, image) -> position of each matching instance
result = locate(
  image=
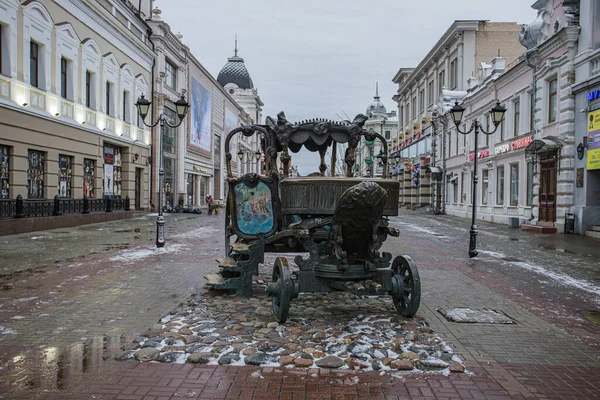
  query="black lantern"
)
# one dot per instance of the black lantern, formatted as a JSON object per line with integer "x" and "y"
{"x": 143, "y": 105}
{"x": 497, "y": 114}
{"x": 397, "y": 158}
{"x": 182, "y": 107}
{"x": 580, "y": 150}
{"x": 457, "y": 113}
{"x": 240, "y": 155}
{"x": 257, "y": 155}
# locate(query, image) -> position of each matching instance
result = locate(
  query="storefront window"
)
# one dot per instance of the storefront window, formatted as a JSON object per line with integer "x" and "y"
{"x": 463, "y": 195}
{"x": 191, "y": 180}
{"x": 455, "y": 188}
{"x": 35, "y": 175}
{"x": 169, "y": 180}
{"x": 500, "y": 185}
{"x": 112, "y": 171}
{"x": 65, "y": 175}
{"x": 217, "y": 152}
{"x": 514, "y": 184}
{"x": 89, "y": 182}
{"x": 529, "y": 184}
{"x": 4, "y": 172}
{"x": 484, "y": 186}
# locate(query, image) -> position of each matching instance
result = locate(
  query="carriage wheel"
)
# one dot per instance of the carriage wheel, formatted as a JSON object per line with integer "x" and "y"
{"x": 282, "y": 289}
{"x": 406, "y": 286}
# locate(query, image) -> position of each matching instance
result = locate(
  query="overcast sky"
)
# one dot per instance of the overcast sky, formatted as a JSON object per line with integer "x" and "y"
{"x": 321, "y": 58}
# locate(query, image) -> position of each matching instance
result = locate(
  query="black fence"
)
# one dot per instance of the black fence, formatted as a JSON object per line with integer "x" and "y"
{"x": 20, "y": 208}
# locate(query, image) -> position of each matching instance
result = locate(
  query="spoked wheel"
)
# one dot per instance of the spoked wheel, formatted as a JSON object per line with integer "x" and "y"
{"x": 282, "y": 289}
{"x": 406, "y": 286}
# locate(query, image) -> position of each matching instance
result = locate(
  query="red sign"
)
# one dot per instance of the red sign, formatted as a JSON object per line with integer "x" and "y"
{"x": 402, "y": 144}
{"x": 417, "y": 136}
{"x": 520, "y": 143}
{"x": 409, "y": 140}
{"x": 482, "y": 154}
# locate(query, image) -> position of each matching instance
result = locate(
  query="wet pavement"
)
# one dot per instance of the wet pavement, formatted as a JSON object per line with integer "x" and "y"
{"x": 84, "y": 294}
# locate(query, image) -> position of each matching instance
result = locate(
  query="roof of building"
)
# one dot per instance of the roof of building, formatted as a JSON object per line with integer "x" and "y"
{"x": 234, "y": 71}
{"x": 376, "y": 107}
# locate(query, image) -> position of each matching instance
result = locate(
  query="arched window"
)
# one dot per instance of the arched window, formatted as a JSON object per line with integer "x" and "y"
{"x": 90, "y": 74}
{"x": 110, "y": 82}
{"x": 67, "y": 61}
{"x": 126, "y": 82}
{"x": 37, "y": 46}
{"x": 8, "y": 40}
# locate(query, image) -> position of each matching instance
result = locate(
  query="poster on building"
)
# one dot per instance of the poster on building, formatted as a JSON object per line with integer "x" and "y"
{"x": 231, "y": 122}
{"x": 593, "y": 153}
{"x": 200, "y": 133}
{"x": 108, "y": 179}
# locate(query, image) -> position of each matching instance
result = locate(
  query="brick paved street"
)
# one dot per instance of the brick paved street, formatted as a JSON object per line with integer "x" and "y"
{"x": 61, "y": 323}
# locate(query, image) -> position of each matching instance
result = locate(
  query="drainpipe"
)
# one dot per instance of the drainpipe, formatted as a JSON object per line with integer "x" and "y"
{"x": 149, "y": 35}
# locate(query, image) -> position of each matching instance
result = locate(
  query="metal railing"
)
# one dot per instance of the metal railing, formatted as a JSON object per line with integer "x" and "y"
{"x": 21, "y": 208}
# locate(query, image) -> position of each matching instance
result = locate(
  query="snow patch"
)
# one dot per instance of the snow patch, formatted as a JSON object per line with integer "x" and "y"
{"x": 140, "y": 253}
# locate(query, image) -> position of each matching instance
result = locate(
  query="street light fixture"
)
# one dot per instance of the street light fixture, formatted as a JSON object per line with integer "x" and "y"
{"x": 143, "y": 106}
{"x": 457, "y": 114}
{"x": 257, "y": 156}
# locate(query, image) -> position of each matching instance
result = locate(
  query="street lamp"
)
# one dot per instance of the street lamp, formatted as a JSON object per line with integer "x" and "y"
{"x": 241, "y": 154}
{"x": 143, "y": 106}
{"x": 457, "y": 112}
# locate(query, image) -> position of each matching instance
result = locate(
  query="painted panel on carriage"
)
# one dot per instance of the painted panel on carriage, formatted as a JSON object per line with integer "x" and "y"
{"x": 254, "y": 209}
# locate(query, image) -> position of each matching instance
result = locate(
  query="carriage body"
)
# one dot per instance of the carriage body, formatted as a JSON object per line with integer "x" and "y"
{"x": 340, "y": 221}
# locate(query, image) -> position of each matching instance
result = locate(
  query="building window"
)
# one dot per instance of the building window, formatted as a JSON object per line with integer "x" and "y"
{"x": 89, "y": 178}
{"x": 1, "y": 49}
{"x": 170, "y": 75}
{"x": 112, "y": 171}
{"x": 4, "y": 172}
{"x": 401, "y": 117}
{"x": 485, "y": 181}
{"x": 529, "y": 184}
{"x": 552, "y": 99}
{"x": 388, "y": 135}
{"x": 455, "y": 188}
{"x": 65, "y": 175}
{"x": 35, "y": 174}
{"x": 170, "y": 134}
{"x": 413, "y": 107}
{"x": 126, "y": 108}
{"x": 488, "y": 128}
{"x": 34, "y": 64}
{"x": 88, "y": 89}
{"x": 430, "y": 93}
{"x": 514, "y": 184}
{"x": 502, "y": 129}
{"x": 500, "y": 185}
{"x": 531, "y": 108}
{"x": 516, "y": 117}
{"x": 63, "y": 77}
{"x": 169, "y": 180}
{"x": 421, "y": 101}
{"x": 442, "y": 80}
{"x": 453, "y": 74}
{"x": 109, "y": 101}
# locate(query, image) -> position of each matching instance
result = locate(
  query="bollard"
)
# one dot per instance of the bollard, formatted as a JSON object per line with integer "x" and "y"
{"x": 56, "y": 211}
{"x": 20, "y": 208}
{"x": 127, "y": 207}
{"x": 86, "y": 205}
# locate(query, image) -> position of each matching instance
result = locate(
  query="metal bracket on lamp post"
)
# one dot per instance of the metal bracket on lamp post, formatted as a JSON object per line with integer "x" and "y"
{"x": 497, "y": 116}
{"x": 143, "y": 106}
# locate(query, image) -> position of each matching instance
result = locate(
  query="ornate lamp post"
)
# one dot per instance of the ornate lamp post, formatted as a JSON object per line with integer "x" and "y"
{"x": 457, "y": 114}
{"x": 143, "y": 106}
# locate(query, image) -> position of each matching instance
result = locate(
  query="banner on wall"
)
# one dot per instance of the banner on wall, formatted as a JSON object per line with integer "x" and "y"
{"x": 593, "y": 152}
{"x": 200, "y": 134}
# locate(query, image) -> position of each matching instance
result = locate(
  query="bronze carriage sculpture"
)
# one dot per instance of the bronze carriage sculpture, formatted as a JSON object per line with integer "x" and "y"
{"x": 340, "y": 221}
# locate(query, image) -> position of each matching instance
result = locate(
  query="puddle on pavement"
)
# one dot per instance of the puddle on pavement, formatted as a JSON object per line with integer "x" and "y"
{"x": 56, "y": 368}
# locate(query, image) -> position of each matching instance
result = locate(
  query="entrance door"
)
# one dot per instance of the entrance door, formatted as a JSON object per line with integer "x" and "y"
{"x": 138, "y": 188}
{"x": 548, "y": 189}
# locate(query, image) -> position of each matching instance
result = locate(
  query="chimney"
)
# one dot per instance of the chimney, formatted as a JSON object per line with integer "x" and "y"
{"x": 472, "y": 82}
{"x": 499, "y": 64}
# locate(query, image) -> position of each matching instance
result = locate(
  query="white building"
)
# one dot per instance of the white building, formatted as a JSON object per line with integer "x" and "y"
{"x": 70, "y": 74}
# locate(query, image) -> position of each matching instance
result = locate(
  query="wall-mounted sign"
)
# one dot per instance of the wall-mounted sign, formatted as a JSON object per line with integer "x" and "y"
{"x": 521, "y": 143}
{"x": 593, "y": 95}
{"x": 200, "y": 169}
{"x": 482, "y": 154}
{"x": 503, "y": 148}
{"x": 593, "y": 152}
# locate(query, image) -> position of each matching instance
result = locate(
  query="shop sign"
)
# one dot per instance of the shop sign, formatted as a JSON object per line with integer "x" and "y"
{"x": 593, "y": 95}
{"x": 503, "y": 148}
{"x": 109, "y": 155}
{"x": 200, "y": 169}
{"x": 482, "y": 154}
{"x": 593, "y": 152}
{"x": 520, "y": 143}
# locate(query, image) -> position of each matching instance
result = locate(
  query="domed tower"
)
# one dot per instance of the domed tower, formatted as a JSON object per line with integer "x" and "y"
{"x": 235, "y": 78}
{"x": 376, "y": 108}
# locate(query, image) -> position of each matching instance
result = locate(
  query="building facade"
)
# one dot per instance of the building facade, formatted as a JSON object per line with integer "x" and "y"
{"x": 526, "y": 167}
{"x": 448, "y": 65}
{"x": 586, "y": 208}
{"x": 70, "y": 74}
{"x": 193, "y": 153}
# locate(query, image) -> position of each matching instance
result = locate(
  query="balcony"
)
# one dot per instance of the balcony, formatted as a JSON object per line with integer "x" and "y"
{"x": 37, "y": 98}
{"x": 4, "y": 87}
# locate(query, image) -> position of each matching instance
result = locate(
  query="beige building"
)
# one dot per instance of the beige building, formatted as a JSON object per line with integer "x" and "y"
{"x": 71, "y": 71}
